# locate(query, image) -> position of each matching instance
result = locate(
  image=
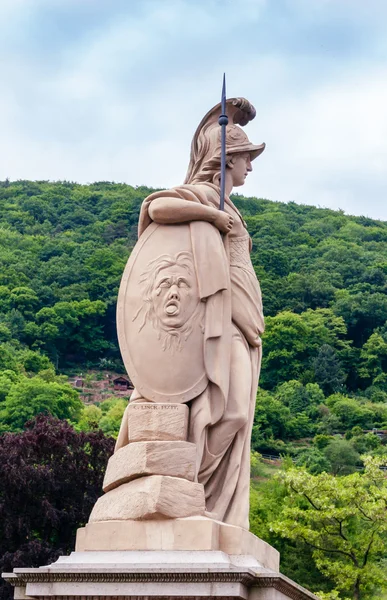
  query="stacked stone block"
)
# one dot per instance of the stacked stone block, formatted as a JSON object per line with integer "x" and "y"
{"x": 153, "y": 477}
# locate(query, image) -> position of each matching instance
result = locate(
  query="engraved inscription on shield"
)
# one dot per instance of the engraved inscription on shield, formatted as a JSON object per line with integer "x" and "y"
{"x": 160, "y": 318}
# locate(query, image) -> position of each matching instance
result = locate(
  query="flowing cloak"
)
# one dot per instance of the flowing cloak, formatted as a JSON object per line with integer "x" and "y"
{"x": 221, "y": 418}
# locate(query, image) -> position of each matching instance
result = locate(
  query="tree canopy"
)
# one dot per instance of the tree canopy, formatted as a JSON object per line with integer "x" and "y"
{"x": 322, "y": 402}
{"x": 50, "y": 478}
{"x": 343, "y": 520}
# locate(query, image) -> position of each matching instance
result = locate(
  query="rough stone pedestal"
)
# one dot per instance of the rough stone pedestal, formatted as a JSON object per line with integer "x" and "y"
{"x": 157, "y": 575}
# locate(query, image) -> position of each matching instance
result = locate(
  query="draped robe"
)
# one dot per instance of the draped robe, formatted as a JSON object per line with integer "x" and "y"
{"x": 221, "y": 418}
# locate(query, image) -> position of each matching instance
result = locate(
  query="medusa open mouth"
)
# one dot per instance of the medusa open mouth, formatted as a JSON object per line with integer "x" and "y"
{"x": 172, "y": 308}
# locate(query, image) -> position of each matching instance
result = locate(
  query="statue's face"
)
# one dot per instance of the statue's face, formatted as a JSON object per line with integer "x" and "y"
{"x": 241, "y": 167}
{"x": 175, "y": 296}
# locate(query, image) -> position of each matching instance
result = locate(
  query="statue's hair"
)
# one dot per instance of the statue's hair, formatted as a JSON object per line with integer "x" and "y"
{"x": 210, "y": 171}
{"x": 148, "y": 277}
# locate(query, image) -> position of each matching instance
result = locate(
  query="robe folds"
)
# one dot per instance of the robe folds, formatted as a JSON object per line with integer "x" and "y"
{"x": 221, "y": 417}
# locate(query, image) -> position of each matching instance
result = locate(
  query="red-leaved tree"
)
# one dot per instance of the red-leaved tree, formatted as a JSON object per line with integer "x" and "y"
{"x": 50, "y": 478}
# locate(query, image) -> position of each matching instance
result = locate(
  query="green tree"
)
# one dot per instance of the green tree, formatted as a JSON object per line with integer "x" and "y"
{"x": 72, "y": 328}
{"x": 89, "y": 418}
{"x": 270, "y": 421}
{"x": 299, "y": 397}
{"x": 350, "y": 412}
{"x": 112, "y": 410}
{"x": 18, "y": 358}
{"x": 328, "y": 371}
{"x": 322, "y": 440}
{"x": 314, "y": 461}
{"x": 24, "y": 299}
{"x": 342, "y": 456}
{"x": 267, "y": 499}
{"x": 366, "y": 443}
{"x": 7, "y": 379}
{"x": 300, "y": 426}
{"x": 374, "y": 360}
{"x": 344, "y": 521}
{"x": 5, "y": 333}
{"x": 363, "y": 312}
{"x": 30, "y": 397}
{"x": 292, "y": 341}
{"x": 256, "y": 465}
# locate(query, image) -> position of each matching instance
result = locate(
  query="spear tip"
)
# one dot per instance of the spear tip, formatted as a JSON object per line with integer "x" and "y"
{"x": 224, "y": 94}
{"x": 223, "y": 119}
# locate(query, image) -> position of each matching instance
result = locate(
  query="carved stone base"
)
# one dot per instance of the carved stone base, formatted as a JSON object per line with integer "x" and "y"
{"x": 154, "y": 576}
{"x": 190, "y": 534}
{"x": 153, "y": 497}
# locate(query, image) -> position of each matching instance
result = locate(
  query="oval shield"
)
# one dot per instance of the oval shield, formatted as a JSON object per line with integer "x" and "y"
{"x": 160, "y": 318}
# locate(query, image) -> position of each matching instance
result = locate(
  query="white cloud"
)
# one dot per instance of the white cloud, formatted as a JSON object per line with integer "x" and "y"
{"x": 125, "y": 99}
{"x": 327, "y": 145}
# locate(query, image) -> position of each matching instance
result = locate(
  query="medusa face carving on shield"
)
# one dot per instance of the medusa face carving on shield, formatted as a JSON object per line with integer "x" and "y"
{"x": 170, "y": 299}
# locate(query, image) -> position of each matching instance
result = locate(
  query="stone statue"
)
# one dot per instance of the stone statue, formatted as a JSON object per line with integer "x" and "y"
{"x": 189, "y": 321}
{"x": 173, "y": 522}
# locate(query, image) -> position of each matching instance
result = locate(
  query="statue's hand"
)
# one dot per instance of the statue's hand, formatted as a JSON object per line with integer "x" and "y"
{"x": 223, "y": 221}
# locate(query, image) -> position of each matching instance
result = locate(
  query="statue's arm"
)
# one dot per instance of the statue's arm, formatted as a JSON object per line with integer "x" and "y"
{"x": 167, "y": 211}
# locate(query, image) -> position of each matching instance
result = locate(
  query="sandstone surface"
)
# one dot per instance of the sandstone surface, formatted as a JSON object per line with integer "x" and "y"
{"x": 161, "y": 421}
{"x": 176, "y": 459}
{"x": 153, "y": 497}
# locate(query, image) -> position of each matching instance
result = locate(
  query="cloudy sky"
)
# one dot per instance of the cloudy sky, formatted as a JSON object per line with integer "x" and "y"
{"x": 113, "y": 90}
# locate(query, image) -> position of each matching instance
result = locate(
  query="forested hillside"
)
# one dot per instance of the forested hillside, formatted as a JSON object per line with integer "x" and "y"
{"x": 323, "y": 390}
{"x": 63, "y": 247}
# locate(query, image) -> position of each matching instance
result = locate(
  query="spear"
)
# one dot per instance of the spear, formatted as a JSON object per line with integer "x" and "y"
{"x": 223, "y": 121}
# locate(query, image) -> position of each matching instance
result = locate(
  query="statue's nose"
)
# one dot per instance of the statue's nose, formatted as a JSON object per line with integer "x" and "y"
{"x": 174, "y": 293}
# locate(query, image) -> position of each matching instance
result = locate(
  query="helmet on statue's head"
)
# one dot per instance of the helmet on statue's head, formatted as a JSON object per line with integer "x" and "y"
{"x": 206, "y": 148}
